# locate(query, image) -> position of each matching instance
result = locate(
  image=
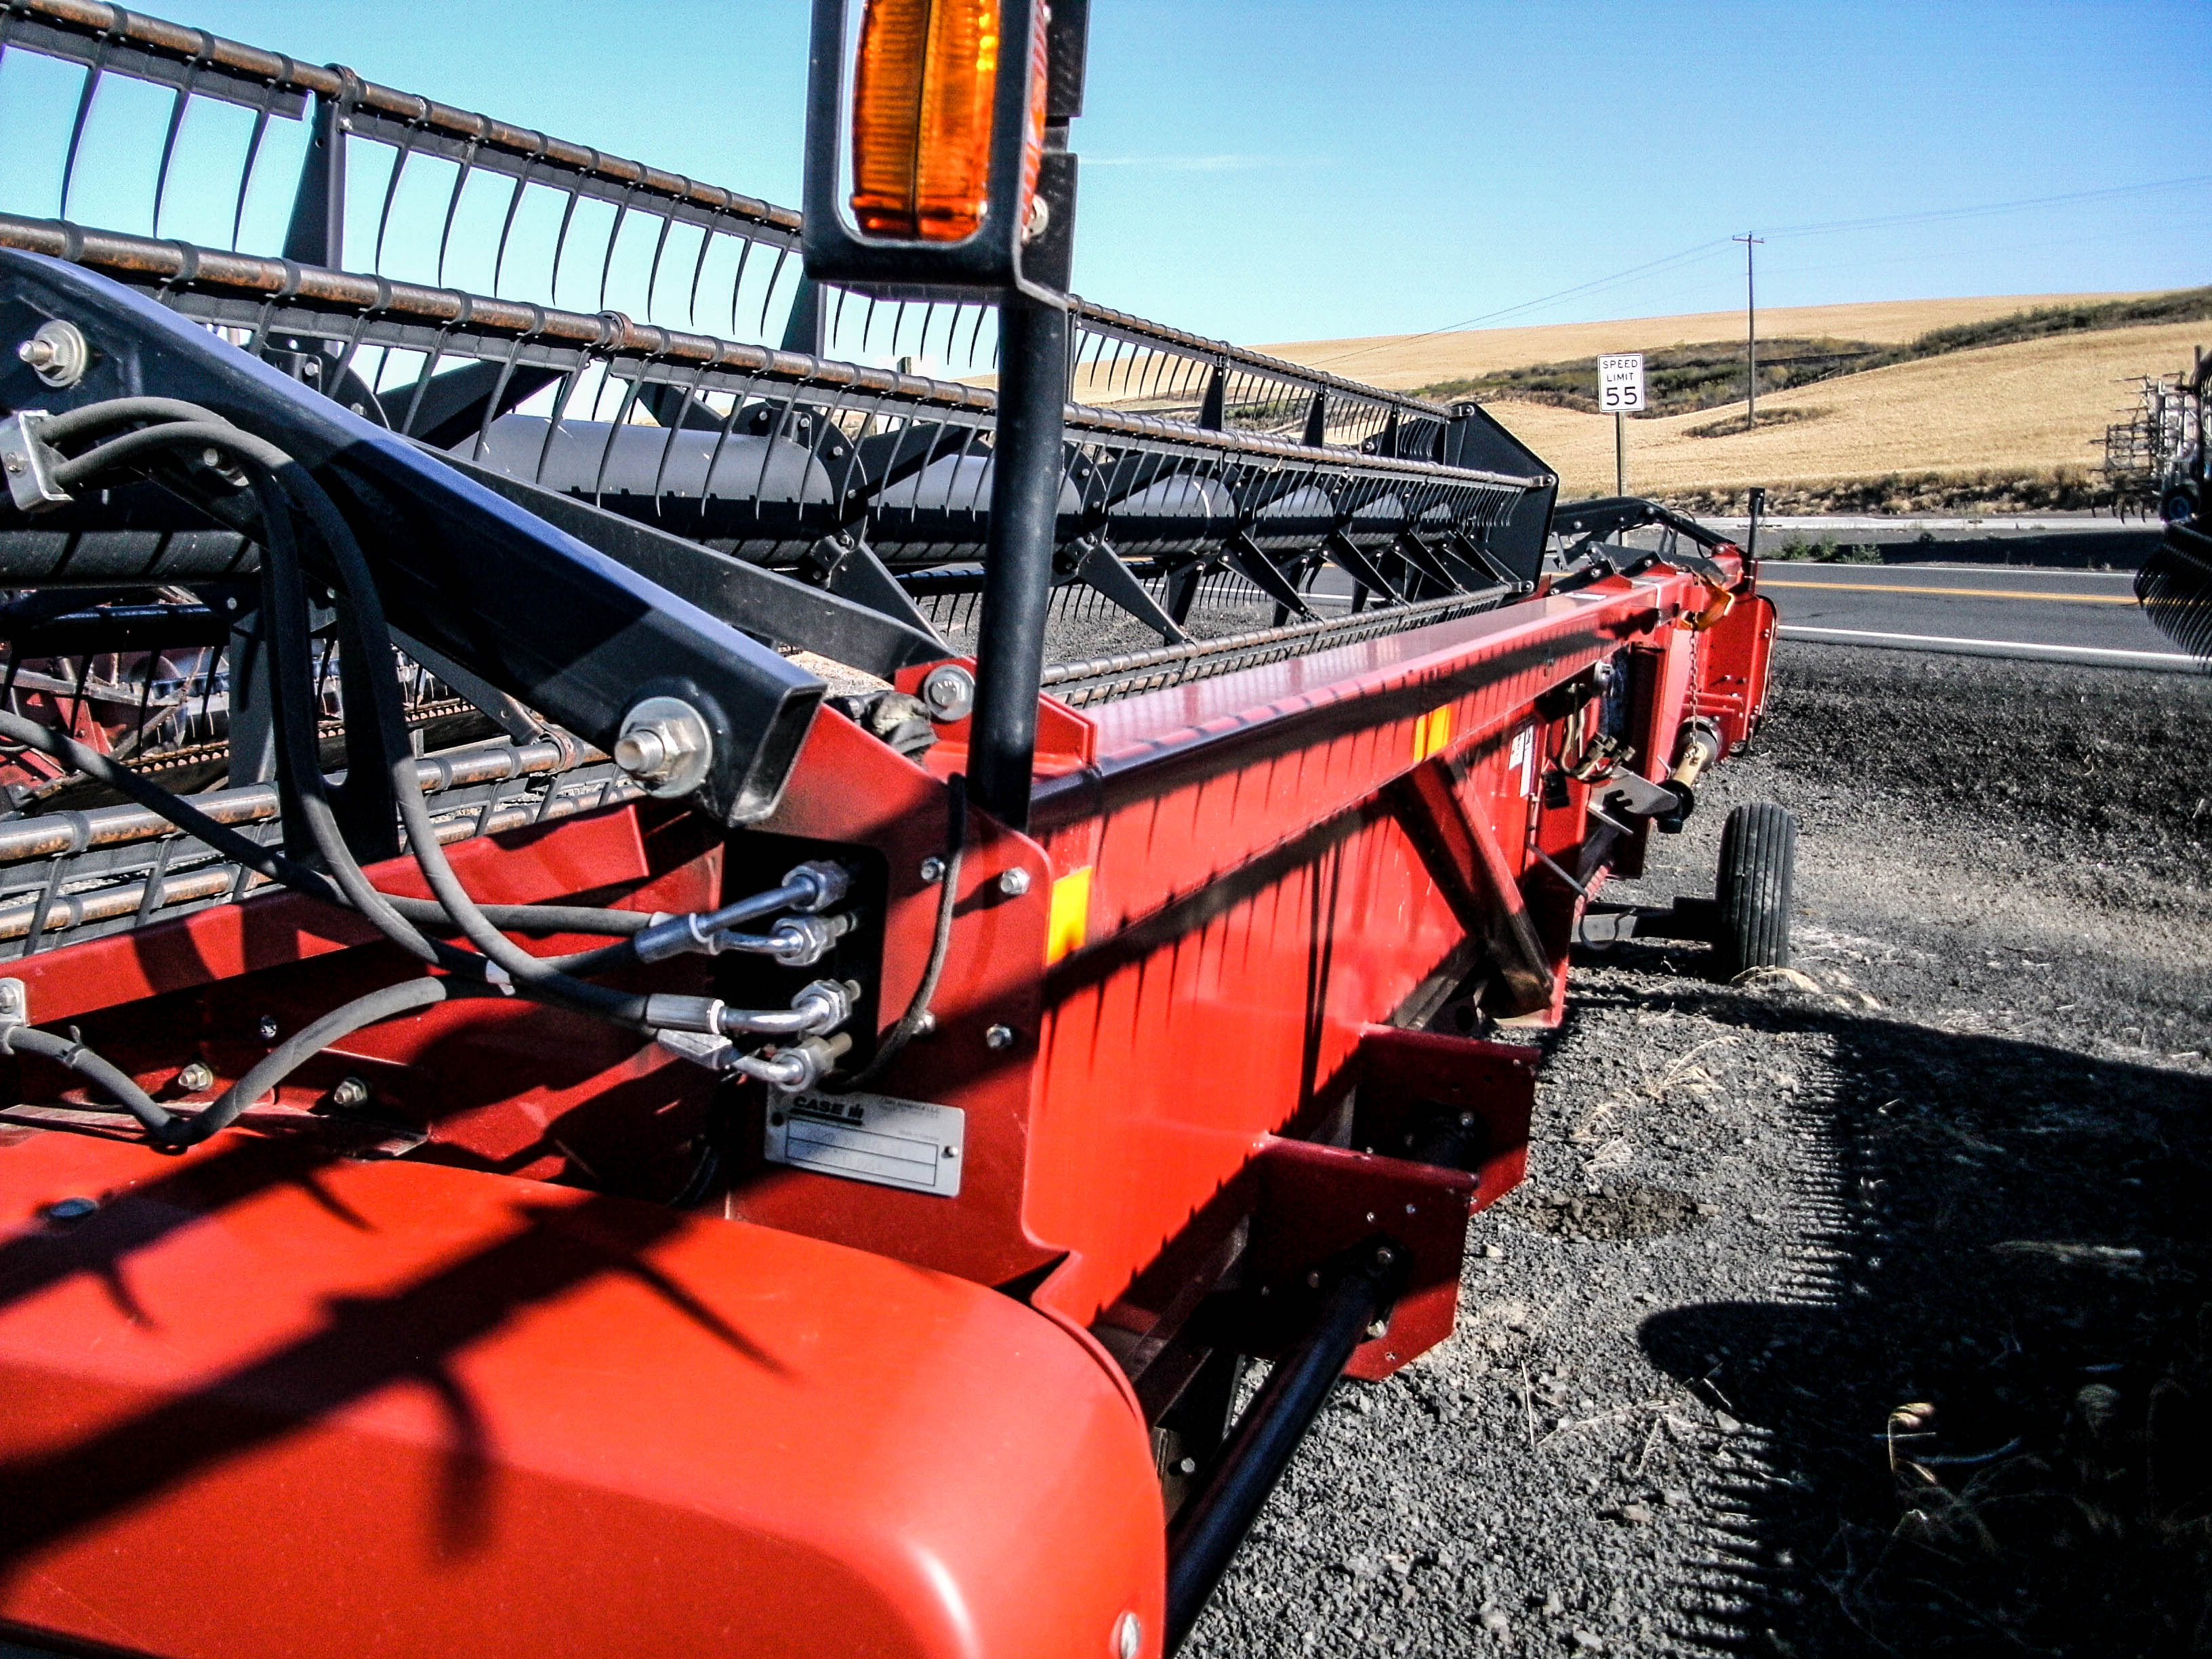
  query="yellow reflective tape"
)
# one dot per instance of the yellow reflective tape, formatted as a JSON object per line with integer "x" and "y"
{"x": 1071, "y": 915}
{"x": 1431, "y": 731}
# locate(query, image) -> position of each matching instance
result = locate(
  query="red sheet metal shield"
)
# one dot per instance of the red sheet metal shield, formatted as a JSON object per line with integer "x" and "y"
{"x": 262, "y": 1403}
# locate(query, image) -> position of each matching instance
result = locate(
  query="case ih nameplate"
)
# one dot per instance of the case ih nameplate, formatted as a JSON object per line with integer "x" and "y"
{"x": 893, "y": 1143}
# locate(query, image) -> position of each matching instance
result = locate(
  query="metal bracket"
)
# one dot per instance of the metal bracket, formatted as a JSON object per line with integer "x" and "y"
{"x": 1101, "y": 569}
{"x": 28, "y": 463}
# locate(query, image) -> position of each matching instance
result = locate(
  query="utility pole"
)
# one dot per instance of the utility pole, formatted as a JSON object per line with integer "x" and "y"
{"x": 1750, "y": 332}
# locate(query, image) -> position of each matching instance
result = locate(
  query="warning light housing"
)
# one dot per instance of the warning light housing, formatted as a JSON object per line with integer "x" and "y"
{"x": 949, "y": 190}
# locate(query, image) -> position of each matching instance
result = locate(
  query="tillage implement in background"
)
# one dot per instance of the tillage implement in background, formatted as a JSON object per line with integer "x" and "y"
{"x": 710, "y": 915}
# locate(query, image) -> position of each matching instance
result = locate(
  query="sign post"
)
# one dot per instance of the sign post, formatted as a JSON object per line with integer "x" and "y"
{"x": 1620, "y": 392}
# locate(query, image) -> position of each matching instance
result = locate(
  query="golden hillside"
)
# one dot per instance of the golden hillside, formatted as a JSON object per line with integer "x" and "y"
{"x": 1403, "y": 360}
{"x": 2035, "y": 405}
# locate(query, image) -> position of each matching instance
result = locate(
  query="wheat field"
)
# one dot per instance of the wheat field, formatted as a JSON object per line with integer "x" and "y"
{"x": 2033, "y": 406}
{"x": 1406, "y": 360}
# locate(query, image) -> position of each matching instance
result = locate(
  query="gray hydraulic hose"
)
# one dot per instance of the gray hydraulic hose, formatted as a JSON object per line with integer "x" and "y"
{"x": 305, "y": 1044}
{"x": 119, "y": 1085}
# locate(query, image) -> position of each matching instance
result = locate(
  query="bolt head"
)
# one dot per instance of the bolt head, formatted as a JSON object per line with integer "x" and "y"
{"x": 195, "y": 1077}
{"x": 350, "y": 1092}
{"x": 933, "y": 871}
{"x": 664, "y": 744}
{"x": 948, "y": 691}
{"x": 999, "y": 1036}
{"x": 1014, "y": 883}
{"x": 266, "y": 1030}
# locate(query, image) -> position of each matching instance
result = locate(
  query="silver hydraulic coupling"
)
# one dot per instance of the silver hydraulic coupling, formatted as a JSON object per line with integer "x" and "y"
{"x": 810, "y": 889}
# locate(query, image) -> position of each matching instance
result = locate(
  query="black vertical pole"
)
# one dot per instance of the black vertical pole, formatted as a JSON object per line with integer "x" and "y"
{"x": 1025, "y": 478}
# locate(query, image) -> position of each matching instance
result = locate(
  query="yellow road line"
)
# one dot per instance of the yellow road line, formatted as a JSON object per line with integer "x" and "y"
{"x": 1957, "y": 593}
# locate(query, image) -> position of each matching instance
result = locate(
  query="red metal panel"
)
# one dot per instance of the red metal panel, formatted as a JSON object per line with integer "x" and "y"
{"x": 847, "y": 788}
{"x": 1316, "y": 1201}
{"x": 1253, "y": 908}
{"x": 262, "y": 1405}
{"x": 1732, "y": 688}
{"x": 1497, "y": 1081}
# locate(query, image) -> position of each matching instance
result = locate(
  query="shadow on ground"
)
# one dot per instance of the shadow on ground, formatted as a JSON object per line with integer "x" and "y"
{"x": 1981, "y": 1421}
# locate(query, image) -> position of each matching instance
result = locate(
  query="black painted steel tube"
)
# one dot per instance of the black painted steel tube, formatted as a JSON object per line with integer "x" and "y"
{"x": 1213, "y": 1522}
{"x": 1025, "y": 481}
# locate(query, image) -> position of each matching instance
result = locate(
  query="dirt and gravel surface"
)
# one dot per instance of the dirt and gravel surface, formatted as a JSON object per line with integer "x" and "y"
{"x": 1861, "y": 1313}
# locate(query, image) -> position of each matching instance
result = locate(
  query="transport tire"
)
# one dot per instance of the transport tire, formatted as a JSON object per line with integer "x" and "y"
{"x": 1759, "y": 860}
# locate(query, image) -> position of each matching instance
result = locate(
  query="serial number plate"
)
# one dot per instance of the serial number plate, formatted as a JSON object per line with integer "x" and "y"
{"x": 893, "y": 1143}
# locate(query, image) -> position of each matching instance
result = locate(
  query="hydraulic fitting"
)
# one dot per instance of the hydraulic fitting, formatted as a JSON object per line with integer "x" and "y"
{"x": 831, "y": 882}
{"x": 813, "y": 886}
{"x": 800, "y": 1066}
{"x": 819, "y": 1009}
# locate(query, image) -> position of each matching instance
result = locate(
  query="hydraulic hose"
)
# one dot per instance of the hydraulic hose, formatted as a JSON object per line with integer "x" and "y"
{"x": 119, "y": 1085}
{"x": 918, "y": 1017}
{"x": 310, "y": 1040}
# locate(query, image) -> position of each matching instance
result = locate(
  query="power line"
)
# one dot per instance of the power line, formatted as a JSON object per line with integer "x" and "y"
{"x": 1933, "y": 215}
{"x": 1687, "y": 255}
{"x": 1705, "y": 250}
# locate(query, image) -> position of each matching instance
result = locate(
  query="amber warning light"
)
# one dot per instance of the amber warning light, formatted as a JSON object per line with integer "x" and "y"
{"x": 923, "y": 89}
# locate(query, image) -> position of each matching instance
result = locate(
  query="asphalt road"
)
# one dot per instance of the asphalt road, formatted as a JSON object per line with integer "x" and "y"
{"x": 2088, "y": 616}
{"x": 2022, "y": 611}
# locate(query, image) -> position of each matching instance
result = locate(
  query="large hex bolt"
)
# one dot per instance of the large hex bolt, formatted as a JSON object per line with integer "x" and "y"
{"x": 665, "y": 745}
{"x": 948, "y": 691}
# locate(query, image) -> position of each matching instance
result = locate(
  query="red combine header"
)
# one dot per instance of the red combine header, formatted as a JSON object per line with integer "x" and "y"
{"x": 673, "y": 993}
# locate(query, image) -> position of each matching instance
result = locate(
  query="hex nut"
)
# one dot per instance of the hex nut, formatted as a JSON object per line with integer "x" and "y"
{"x": 350, "y": 1092}
{"x": 666, "y": 744}
{"x": 195, "y": 1077}
{"x": 1014, "y": 883}
{"x": 58, "y": 353}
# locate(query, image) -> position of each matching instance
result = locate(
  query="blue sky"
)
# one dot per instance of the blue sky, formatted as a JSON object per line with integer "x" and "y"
{"x": 1297, "y": 169}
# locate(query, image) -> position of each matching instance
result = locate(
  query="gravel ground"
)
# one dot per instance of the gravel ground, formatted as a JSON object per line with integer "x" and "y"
{"x": 1857, "y": 1314}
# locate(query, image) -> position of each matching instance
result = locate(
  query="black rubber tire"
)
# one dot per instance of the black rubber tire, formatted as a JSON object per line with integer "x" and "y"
{"x": 1759, "y": 860}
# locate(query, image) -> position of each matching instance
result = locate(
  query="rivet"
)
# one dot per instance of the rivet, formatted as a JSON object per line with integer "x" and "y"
{"x": 1128, "y": 1636}
{"x": 1313, "y": 1281}
{"x": 72, "y": 1209}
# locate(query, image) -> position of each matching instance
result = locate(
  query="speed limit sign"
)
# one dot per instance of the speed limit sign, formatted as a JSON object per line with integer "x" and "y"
{"x": 1620, "y": 384}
